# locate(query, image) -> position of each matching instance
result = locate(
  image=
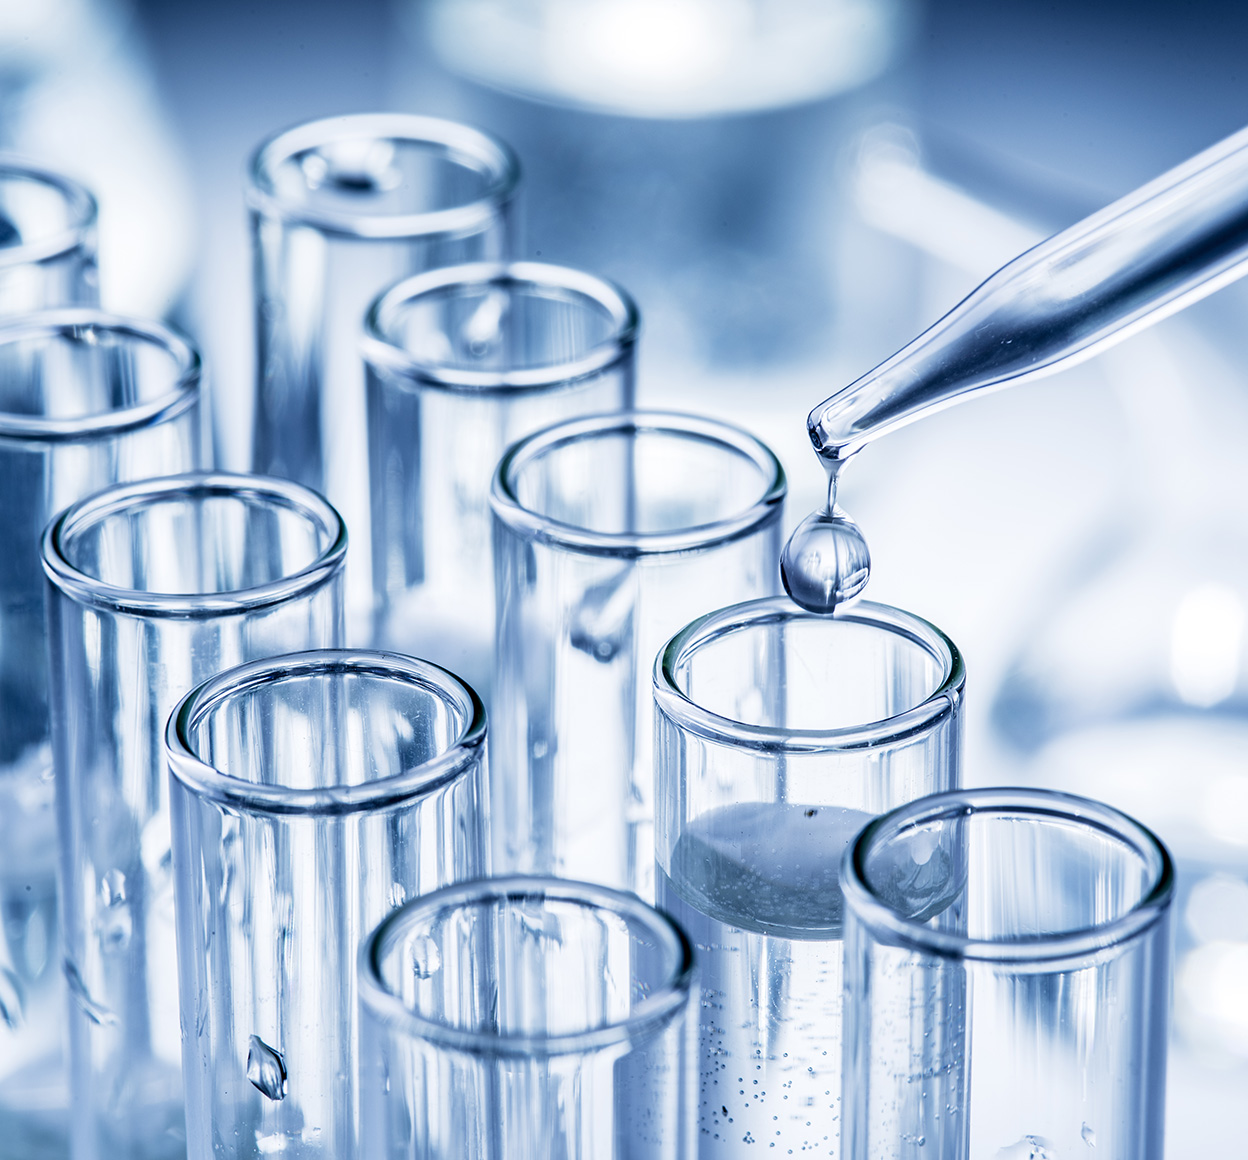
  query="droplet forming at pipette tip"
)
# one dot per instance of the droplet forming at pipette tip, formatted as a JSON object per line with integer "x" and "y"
{"x": 826, "y": 561}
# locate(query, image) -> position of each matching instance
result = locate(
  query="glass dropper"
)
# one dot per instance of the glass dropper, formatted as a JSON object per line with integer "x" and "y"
{"x": 1181, "y": 236}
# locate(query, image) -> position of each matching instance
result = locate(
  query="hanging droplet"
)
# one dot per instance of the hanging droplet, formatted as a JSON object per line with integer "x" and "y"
{"x": 826, "y": 561}
{"x": 266, "y": 1069}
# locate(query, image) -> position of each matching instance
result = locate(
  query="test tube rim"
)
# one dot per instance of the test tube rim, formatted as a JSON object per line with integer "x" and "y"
{"x": 678, "y": 707}
{"x": 495, "y": 159}
{"x": 88, "y": 590}
{"x": 384, "y": 354}
{"x": 83, "y": 215}
{"x": 651, "y": 1014}
{"x": 1040, "y": 953}
{"x": 459, "y": 758}
{"x": 530, "y": 525}
{"x": 64, "y": 323}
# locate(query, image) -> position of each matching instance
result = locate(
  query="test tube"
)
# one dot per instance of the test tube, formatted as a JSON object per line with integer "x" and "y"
{"x": 779, "y": 734}
{"x": 86, "y": 399}
{"x": 610, "y": 532}
{"x": 1007, "y": 981}
{"x": 525, "y": 1018}
{"x": 310, "y": 794}
{"x": 154, "y": 587}
{"x": 340, "y": 209}
{"x": 47, "y": 240}
{"x": 463, "y": 362}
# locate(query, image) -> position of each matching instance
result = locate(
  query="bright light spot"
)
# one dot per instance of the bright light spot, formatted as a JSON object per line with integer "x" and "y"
{"x": 1217, "y": 909}
{"x": 1224, "y": 808}
{"x": 1205, "y": 641}
{"x": 1212, "y": 990}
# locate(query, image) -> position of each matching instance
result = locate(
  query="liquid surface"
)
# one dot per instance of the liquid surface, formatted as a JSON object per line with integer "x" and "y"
{"x": 826, "y": 561}
{"x": 756, "y": 886}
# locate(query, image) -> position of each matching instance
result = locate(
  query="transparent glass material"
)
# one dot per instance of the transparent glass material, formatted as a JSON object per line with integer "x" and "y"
{"x": 47, "y": 240}
{"x": 1007, "y": 981}
{"x": 154, "y": 587}
{"x": 341, "y": 209}
{"x": 86, "y": 400}
{"x": 610, "y": 532}
{"x": 310, "y": 794}
{"x": 461, "y": 363}
{"x": 1160, "y": 248}
{"x": 779, "y": 734}
{"x": 528, "y": 1018}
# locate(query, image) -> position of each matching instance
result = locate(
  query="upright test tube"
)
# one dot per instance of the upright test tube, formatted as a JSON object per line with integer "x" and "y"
{"x": 1007, "y": 981}
{"x": 463, "y": 362}
{"x": 779, "y": 734}
{"x": 610, "y": 532}
{"x": 86, "y": 399}
{"x": 527, "y": 1018}
{"x": 47, "y": 240}
{"x": 341, "y": 209}
{"x": 311, "y": 793}
{"x": 154, "y": 587}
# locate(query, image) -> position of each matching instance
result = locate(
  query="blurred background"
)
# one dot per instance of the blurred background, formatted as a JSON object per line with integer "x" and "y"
{"x": 792, "y": 189}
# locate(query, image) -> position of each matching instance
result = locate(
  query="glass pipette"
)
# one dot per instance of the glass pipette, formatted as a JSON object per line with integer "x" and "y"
{"x": 1181, "y": 236}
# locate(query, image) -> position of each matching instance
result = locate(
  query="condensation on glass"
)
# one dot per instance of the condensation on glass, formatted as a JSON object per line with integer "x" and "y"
{"x": 779, "y": 734}
{"x": 1007, "y": 981}
{"x": 309, "y": 795}
{"x": 47, "y": 240}
{"x": 340, "y": 209}
{"x": 461, "y": 363}
{"x": 154, "y": 587}
{"x": 524, "y": 1018}
{"x": 86, "y": 399}
{"x": 610, "y": 532}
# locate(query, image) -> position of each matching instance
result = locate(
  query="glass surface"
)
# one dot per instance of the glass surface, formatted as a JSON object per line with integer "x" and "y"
{"x": 47, "y": 240}
{"x": 462, "y": 362}
{"x": 86, "y": 399}
{"x": 341, "y": 209}
{"x": 310, "y": 794}
{"x": 524, "y": 1018}
{"x": 1007, "y": 985}
{"x": 779, "y": 734}
{"x": 154, "y": 587}
{"x": 609, "y": 533}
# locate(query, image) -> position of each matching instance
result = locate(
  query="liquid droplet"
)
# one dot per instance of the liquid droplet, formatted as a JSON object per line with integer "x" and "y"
{"x": 266, "y": 1069}
{"x": 826, "y": 561}
{"x": 12, "y": 999}
{"x": 426, "y": 958}
{"x": 93, "y": 1010}
{"x": 1089, "y": 1136}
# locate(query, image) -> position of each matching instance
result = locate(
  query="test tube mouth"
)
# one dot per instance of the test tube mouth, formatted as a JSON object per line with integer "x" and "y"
{"x": 454, "y": 760}
{"x": 461, "y": 145}
{"x": 1041, "y": 952}
{"x": 940, "y": 702}
{"x": 736, "y": 445}
{"x": 143, "y": 402}
{"x": 252, "y": 492}
{"x": 649, "y": 1013}
{"x": 78, "y": 207}
{"x": 384, "y": 348}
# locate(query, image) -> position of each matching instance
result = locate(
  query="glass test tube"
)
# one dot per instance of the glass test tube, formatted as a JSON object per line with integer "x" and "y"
{"x": 47, "y": 240}
{"x": 1007, "y": 981}
{"x": 341, "y": 209}
{"x": 461, "y": 363}
{"x": 86, "y": 399}
{"x": 527, "y": 1018}
{"x": 609, "y": 533}
{"x": 779, "y": 733}
{"x": 310, "y": 794}
{"x": 154, "y": 587}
